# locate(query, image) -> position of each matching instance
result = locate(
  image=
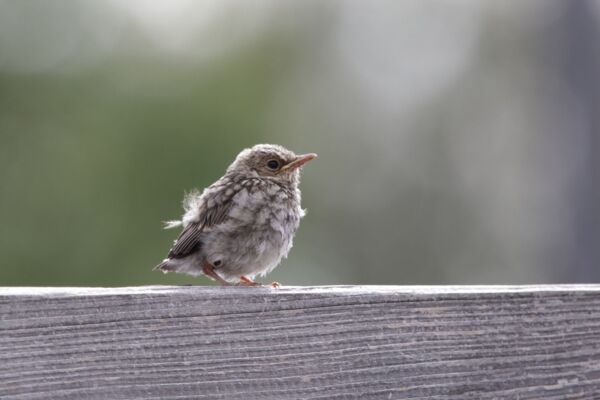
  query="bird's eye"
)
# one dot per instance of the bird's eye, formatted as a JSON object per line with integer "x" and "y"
{"x": 273, "y": 164}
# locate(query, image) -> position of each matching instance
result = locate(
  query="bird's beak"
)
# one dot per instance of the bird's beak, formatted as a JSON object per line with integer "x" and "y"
{"x": 298, "y": 162}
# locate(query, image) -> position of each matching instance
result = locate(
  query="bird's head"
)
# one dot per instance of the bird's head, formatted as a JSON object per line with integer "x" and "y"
{"x": 270, "y": 161}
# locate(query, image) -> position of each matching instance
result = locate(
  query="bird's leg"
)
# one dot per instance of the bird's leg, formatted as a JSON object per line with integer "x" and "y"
{"x": 248, "y": 282}
{"x": 209, "y": 270}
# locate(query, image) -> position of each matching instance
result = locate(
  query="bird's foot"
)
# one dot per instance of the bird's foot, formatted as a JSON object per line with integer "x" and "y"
{"x": 209, "y": 271}
{"x": 244, "y": 281}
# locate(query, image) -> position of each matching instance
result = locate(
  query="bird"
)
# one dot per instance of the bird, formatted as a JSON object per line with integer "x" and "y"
{"x": 243, "y": 224}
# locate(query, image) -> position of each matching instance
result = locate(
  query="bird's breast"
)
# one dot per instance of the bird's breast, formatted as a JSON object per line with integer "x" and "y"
{"x": 268, "y": 215}
{"x": 267, "y": 205}
{"x": 259, "y": 231}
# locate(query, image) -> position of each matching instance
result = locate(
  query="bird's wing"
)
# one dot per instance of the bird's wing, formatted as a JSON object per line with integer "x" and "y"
{"x": 187, "y": 242}
{"x": 190, "y": 238}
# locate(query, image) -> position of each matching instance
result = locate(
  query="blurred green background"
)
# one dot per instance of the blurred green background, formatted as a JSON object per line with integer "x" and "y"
{"x": 458, "y": 141}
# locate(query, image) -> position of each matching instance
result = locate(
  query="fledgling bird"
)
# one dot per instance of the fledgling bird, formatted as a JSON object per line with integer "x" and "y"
{"x": 243, "y": 224}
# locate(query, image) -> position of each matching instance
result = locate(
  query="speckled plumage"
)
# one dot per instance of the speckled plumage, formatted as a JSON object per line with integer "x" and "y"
{"x": 243, "y": 224}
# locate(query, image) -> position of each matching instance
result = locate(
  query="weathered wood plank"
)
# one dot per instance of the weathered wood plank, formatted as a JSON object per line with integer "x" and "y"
{"x": 470, "y": 342}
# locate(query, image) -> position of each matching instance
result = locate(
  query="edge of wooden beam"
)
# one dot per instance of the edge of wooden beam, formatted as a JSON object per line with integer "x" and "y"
{"x": 333, "y": 290}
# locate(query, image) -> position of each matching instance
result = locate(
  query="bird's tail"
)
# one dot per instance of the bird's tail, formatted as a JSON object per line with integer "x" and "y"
{"x": 187, "y": 265}
{"x": 165, "y": 266}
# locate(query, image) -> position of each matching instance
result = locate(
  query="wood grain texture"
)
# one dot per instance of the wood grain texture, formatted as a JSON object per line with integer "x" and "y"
{"x": 471, "y": 342}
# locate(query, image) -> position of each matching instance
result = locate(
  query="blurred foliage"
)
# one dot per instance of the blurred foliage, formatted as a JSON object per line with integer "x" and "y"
{"x": 438, "y": 160}
{"x": 92, "y": 161}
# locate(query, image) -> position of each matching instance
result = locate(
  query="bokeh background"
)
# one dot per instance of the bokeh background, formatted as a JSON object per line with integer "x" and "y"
{"x": 458, "y": 141}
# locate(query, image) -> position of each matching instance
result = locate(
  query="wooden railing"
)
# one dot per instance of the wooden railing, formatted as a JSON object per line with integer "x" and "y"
{"x": 348, "y": 342}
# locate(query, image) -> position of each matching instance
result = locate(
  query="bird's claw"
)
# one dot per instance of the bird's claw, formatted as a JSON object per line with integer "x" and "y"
{"x": 249, "y": 282}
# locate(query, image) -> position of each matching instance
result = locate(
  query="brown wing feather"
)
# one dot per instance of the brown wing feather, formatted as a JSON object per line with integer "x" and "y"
{"x": 187, "y": 242}
{"x": 190, "y": 239}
